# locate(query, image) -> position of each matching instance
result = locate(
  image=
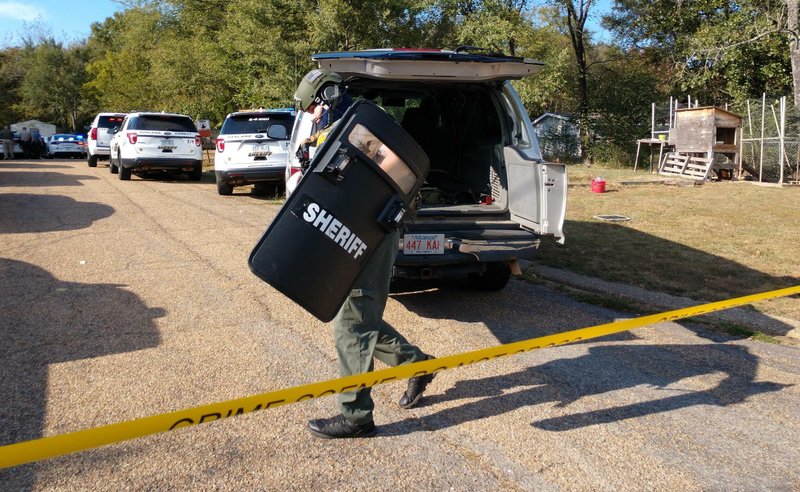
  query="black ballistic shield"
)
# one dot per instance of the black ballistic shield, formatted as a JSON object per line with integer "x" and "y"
{"x": 356, "y": 191}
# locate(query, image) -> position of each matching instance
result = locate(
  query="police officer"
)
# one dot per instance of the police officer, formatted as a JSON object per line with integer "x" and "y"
{"x": 359, "y": 330}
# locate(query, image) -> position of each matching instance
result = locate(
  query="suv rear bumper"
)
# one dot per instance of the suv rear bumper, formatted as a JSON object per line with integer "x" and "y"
{"x": 160, "y": 163}
{"x": 71, "y": 153}
{"x": 465, "y": 256}
{"x": 239, "y": 177}
{"x": 100, "y": 152}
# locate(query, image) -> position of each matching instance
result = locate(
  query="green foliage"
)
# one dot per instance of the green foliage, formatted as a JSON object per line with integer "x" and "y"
{"x": 11, "y": 74}
{"x": 717, "y": 50}
{"x": 206, "y": 58}
{"x": 51, "y": 83}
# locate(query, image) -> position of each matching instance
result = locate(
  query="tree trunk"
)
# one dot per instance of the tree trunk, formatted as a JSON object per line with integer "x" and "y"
{"x": 576, "y": 21}
{"x": 794, "y": 49}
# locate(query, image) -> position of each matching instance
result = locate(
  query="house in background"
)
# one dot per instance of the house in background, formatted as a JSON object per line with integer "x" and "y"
{"x": 45, "y": 129}
{"x": 558, "y": 137}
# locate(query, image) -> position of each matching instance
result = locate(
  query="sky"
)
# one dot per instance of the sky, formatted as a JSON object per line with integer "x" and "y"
{"x": 66, "y": 21}
{"x": 71, "y": 21}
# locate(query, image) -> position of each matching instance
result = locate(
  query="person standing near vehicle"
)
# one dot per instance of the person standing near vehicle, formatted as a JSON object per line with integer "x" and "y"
{"x": 25, "y": 142}
{"x": 36, "y": 143}
{"x": 360, "y": 333}
{"x": 7, "y": 136}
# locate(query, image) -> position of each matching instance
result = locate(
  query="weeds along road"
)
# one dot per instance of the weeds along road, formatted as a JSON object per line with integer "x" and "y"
{"x": 127, "y": 299}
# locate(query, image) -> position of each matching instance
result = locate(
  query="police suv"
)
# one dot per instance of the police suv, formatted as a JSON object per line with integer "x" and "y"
{"x": 489, "y": 197}
{"x": 252, "y": 148}
{"x": 99, "y": 136}
{"x": 156, "y": 142}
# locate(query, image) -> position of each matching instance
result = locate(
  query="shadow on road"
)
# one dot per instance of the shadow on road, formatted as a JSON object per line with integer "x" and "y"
{"x": 522, "y": 311}
{"x": 46, "y": 321}
{"x": 32, "y": 179}
{"x": 28, "y": 165}
{"x": 26, "y": 213}
{"x": 604, "y": 369}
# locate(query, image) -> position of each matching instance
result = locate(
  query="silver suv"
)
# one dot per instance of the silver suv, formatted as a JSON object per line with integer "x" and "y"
{"x": 99, "y": 136}
{"x": 489, "y": 197}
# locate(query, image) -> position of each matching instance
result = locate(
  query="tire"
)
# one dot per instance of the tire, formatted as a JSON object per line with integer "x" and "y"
{"x": 124, "y": 172}
{"x": 92, "y": 160}
{"x": 111, "y": 166}
{"x": 196, "y": 174}
{"x": 495, "y": 277}
{"x": 224, "y": 188}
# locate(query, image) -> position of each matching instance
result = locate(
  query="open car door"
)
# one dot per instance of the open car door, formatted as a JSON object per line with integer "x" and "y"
{"x": 537, "y": 190}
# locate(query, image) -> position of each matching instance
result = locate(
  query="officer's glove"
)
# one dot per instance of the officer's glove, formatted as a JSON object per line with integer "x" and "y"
{"x": 302, "y": 152}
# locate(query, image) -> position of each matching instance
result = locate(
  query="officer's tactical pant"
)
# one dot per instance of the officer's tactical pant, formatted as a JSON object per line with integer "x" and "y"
{"x": 361, "y": 333}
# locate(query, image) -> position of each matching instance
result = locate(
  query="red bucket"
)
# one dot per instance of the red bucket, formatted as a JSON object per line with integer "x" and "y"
{"x": 598, "y": 185}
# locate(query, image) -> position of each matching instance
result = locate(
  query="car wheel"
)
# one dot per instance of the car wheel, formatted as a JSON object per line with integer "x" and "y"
{"x": 124, "y": 172}
{"x": 495, "y": 277}
{"x": 224, "y": 188}
{"x": 111, "y": 166}
{"x": 92, "y": 161}
{"x": 196, "y": 174}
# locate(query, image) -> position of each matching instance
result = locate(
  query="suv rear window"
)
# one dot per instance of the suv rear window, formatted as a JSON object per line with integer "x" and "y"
{"x": 169, "y": 123}
{"x": 256, "y": 123}
{"x": 109, "y": 121}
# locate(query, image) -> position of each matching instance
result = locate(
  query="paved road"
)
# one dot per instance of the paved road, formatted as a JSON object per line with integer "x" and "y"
{"x": 126, "y": 299}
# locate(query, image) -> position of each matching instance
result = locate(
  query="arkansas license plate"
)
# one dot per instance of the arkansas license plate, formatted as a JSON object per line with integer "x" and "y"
{"x": 423, "y": 244}
{"x": 260, "y": 151}
{"x": 167, "y": 145}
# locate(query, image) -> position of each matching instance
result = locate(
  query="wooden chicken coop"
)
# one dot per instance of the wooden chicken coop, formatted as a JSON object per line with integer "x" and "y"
{"x": 704, "y": 139}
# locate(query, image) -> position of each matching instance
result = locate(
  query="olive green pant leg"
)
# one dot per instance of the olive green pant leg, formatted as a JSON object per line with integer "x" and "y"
{"x": 360, "y": 332}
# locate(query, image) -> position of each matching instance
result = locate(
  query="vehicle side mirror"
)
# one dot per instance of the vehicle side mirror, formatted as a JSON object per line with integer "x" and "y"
{"x": 113, "y": 130}
{"x": 277, "y": 132}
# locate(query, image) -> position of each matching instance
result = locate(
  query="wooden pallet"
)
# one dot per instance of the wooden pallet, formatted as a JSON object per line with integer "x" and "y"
{"x": 685, "y": 166}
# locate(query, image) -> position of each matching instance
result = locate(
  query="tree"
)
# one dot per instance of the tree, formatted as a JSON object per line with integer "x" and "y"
{"x": 51, "y": 86}
{"x": 11, "y": 73}
{"x": 794, "y": 46}
{"x": 576, "y": 16}
{"x": 720, "y": 50}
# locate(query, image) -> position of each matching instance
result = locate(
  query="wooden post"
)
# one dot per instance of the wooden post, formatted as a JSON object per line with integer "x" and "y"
{"x": 653, "y": 121}
{"x": 750, "y": 127}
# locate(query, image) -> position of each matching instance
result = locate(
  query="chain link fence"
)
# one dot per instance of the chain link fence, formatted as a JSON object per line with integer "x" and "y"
{"x": 769, "y": 156}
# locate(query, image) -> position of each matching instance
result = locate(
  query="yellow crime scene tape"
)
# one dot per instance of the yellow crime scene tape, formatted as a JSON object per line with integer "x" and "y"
{"x": 58, "y": 445}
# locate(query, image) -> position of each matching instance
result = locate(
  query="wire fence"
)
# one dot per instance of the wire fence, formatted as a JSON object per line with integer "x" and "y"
{"x": 770, "y": 140}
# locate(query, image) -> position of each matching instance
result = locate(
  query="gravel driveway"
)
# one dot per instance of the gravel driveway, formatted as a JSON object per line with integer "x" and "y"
{"x": 121, "y": 300}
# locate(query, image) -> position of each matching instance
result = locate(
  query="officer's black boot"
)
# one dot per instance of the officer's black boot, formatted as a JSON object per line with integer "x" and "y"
{"x": 416, "y": 386}
{"x": 339, "y": 427}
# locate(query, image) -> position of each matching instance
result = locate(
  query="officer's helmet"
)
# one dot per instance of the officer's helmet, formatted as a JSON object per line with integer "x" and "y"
{"x": 317, "y": 87}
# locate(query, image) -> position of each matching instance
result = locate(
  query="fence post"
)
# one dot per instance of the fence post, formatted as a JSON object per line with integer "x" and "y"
{"x": 763, "y": 117}
{"x": 782, "y": 136}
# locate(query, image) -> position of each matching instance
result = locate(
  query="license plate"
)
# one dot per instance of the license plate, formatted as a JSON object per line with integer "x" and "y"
{"x": 260, "y": 151}
{"x": 167, "y": 145}
{"x": 423, "y": 244}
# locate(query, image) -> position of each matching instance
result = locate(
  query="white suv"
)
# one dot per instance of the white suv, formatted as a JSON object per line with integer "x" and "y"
{"x": 99, "y": 136}
{"x": 489, "y": 198}
{"x": 165, "y": 142}
{"x": 252, "y": 148}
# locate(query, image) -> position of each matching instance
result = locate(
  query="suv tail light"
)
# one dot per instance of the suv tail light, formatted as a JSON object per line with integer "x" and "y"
{"x": 132, "y": 137}
{"x": 197, "y": 140}
{"x": 93, "y": 134}
{"x": 220, "y": 145}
